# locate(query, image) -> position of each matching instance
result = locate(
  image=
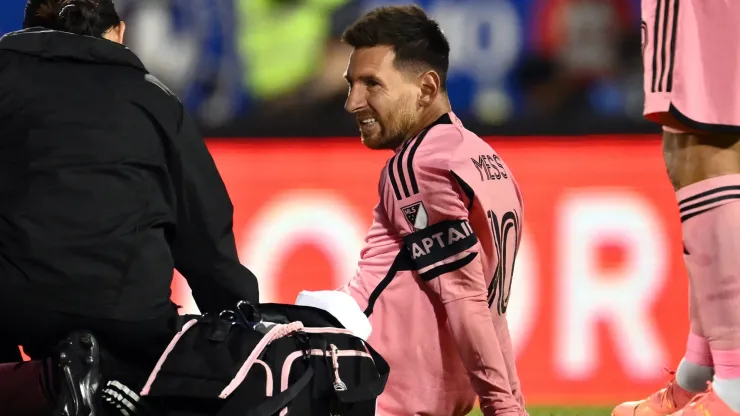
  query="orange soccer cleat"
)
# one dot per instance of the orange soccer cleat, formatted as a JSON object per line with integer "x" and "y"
{"x": 706, "y": 404}
{"x": 665, "y": 401}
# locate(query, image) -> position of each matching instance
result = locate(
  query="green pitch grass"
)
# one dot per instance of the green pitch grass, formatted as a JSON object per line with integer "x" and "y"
{"x": 561, "y": 411}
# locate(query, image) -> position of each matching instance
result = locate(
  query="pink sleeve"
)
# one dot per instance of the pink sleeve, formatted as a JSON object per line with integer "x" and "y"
{"x": 445, "y": 253}
{"x": 471, "y": 326}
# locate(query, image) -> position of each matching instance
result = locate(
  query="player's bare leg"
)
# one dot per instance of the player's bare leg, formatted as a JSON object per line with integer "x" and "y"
{"x": 705, "y": 170}
{"x": 690, "y": 85}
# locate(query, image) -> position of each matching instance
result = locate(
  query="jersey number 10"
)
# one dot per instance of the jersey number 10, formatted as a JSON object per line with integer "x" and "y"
{"x": 506, "y": 241}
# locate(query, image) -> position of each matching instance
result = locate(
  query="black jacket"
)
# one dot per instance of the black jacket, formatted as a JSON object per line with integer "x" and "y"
{"x": 105, "y": 185}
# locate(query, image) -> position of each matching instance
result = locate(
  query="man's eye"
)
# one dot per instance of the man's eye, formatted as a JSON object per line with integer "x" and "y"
{"x": 370, "y": 83}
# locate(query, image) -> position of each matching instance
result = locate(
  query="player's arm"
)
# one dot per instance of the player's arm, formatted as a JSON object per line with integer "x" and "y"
{"x": 471, "y": 326}
{"x": 446, "y": 254}
{"x": 204, "y": 249}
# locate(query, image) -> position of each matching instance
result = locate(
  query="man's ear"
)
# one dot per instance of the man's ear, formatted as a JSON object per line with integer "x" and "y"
{"x": 430, "y": 84}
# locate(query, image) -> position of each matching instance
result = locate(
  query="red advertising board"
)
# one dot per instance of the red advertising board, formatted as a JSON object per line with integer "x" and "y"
{"x": 598, "y": 307}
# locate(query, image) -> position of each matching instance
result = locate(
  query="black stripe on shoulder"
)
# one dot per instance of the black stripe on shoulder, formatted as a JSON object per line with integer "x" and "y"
{"x": 467, "y": 189}
{"x": 399, "y": 165}
{"x": 410, "y": 163}
{"x": 444, "y": 119}
{"x": 392, "y": 178}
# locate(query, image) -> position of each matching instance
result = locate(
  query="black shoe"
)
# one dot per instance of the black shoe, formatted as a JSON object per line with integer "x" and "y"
{"x": 79, "y": 365}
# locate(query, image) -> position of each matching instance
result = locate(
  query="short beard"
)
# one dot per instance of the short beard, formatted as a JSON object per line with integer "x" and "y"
{"x": 398, "y": 128}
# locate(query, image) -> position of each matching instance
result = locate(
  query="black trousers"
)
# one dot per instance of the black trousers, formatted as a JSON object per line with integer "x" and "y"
{"x": 129, "y": 347}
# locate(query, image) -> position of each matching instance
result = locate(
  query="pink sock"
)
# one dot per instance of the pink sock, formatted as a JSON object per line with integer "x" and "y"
{"x": 726, "y": 363}
{"x": 710, "y": 215}
{"x": 27, "y": 389}
{"x": 694, "y": 371}
{"x": 698, "y": 351}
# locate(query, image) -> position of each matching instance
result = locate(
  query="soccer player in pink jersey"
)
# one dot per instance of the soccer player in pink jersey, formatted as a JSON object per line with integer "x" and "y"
{"x": 435, "y": 274}
{"x": 692, "y": 88}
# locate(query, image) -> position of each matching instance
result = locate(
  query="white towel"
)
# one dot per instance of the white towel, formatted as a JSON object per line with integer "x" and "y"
{"x": 342, "y": 306}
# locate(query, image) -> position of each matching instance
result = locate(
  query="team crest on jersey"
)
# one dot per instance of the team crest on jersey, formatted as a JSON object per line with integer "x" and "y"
{"x": 416, "y": 215}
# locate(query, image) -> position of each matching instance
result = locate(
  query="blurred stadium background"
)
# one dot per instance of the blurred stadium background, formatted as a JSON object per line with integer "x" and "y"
{"x": 598, "y": 306}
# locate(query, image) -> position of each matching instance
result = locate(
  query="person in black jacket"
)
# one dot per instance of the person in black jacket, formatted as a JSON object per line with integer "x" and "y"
{"x": 106, "y": 187}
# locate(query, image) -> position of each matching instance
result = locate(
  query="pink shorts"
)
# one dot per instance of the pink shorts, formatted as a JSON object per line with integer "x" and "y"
{"x": 692, "y": 64}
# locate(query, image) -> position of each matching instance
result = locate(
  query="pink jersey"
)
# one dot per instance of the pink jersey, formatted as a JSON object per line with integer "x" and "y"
{"x": 435, "y": 275}
{"x": 692, "y": 68}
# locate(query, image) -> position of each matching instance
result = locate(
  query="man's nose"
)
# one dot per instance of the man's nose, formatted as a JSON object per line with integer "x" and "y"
{"x": 356, "y": 100}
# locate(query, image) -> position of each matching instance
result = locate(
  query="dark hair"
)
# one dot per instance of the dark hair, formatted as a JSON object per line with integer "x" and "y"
{"x": 81, "y": 17}
{"x": 416, "y": 39}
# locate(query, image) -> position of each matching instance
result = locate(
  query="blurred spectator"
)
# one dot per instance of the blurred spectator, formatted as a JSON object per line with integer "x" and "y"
{"x": 226, "y": 58}
{"x": 189, "y": 45}
{"x": 291, "y": 48}
{"x": 274, "y": 67}
{"x": 583, "y": 36}
{"x": 548, "y": 90}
